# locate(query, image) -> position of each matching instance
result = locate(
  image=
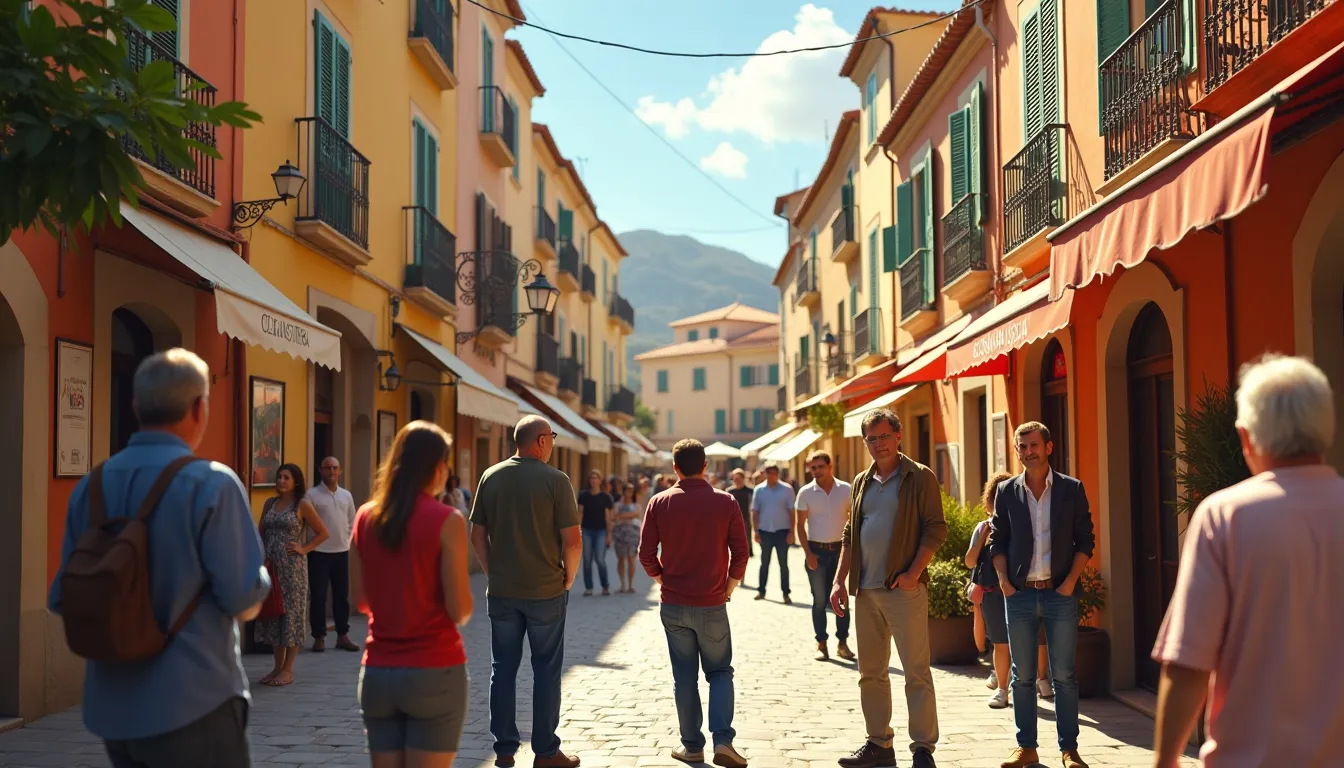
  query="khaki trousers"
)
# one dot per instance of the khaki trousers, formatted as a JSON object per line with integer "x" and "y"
{"x": 880, "y": 617}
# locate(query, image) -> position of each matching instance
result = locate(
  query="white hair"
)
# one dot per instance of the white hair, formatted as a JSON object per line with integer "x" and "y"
{"x": 166, "y": 385}
{"x": 1286, "y": 406}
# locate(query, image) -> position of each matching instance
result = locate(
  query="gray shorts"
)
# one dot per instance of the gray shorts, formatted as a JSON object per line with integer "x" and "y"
{"x": 413, "y": 708}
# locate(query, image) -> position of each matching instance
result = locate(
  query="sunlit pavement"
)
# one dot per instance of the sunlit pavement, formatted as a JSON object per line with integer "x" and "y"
{"x": 792, "y": 712}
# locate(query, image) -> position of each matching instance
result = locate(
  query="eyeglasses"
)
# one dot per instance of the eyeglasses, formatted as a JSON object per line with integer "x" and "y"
{"x": 875, "y": 439}
{"x": 815, "y": 468}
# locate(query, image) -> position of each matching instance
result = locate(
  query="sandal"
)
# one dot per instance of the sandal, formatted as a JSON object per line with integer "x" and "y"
{"x": 266, "y": 679}
{"x": 276, "y": 682}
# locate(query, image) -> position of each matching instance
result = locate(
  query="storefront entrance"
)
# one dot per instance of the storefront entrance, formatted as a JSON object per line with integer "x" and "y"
{"x": 1055, "y": 404}
{"x": 11, "y": 509}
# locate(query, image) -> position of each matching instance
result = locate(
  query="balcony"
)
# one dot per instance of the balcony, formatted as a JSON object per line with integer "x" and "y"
{"x": 570, "y": 379}
{"x": 781, "y": 399}
{"x": 802, "y": 381}
{"x": 333, "y": 208}
{"x": 837, "y": 365}
{"x": 431, "y": 276}
{"x": 1035, "y": 194}
{"x": 548, "y": 362}
{"x": 589, "y": 393}
{"x": 567, "y": 277}
{"x": 496, "y": 281}
{"x": 868, "y": 336}
{"x": 918, "y": 311}
{"x": 1145, "y": 108}
{"x": 844, "y": 246}
{"x": 588, "y": 284}
{"x": 189, "y": 189}
{"x": 431, "y": 41}
{"x": 621, "y": 314}
{"x": 965, "y": 277}
{"x": 1247, "y": 47}
{"x": 621, "y": 401}
{"x": 545, "y": 235}
{"x": 807, "y": 290}
{"x": 499, "y": 129}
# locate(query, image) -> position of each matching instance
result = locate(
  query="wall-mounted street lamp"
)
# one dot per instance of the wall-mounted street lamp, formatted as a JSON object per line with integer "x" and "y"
{"x": 497, "y": 273}
{"x": 289, "y": 181}
{"x": 390, "y": 378}
{"x": 829, "y": 341}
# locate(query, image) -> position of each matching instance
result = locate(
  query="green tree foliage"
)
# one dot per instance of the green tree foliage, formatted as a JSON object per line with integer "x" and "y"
{"x": 645, "y": 420}
{"x": 1211, "y": 457}
{"x": 827, "y": 418}
{"x": 961, "y": 521}
{"x": 1091, "y": 591}
{"x": 69, "y": 94}
{"x": 947, "y": 590}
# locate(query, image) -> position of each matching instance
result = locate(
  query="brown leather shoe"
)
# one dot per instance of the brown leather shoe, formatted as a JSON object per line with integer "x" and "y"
{"x": 346, "y": 644}
{"x": 1072, "y": 760}
{"x": 319, "y": 645}
{"x": 558, "y": 760}
{"x": 759, "y": 596}
{"x": 1021, "y": 758}
{"x": 822, "y": 653}
{"x": 842, "y": 650}
{"x": 788, "y": 600}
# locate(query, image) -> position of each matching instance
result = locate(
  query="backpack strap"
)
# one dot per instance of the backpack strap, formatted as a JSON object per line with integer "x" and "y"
{"x": 160, "y": 487}
{"x": 97, "y": 507}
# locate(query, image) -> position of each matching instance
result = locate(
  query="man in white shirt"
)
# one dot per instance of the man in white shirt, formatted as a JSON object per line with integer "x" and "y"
{"x": 329, "y": 564}
{"x": 823, "y": 509}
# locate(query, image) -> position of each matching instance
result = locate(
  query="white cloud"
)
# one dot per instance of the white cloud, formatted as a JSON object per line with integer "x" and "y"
{"x": 726, "y": 160}
{"x": 773, "y": 98}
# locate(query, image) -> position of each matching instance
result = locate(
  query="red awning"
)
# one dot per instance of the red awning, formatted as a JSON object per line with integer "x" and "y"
{"x": 1021, "y": 320}
{"x": 930, "y": 366}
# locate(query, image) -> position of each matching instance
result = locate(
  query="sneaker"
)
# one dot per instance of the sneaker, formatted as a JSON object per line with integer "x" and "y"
{"x": 558, "y": 760}
{"x": 822, "y": 653}
{"x": 686, "y": 756}
{"x": 870, "y": 756}
{"x": 1072, "y": 760}
{"x": 1045, "y": 689}
{"x": 606, "y": 591}
{"x": 1021, "y": 757}
{"x": 993, "y": 682}
{"x": 587, "y": 593}
{"x": 727, "y": 757}
{"x": 999, "y": 700}
{"x": 842, "y": 650}
{"x": 923, "y": 758}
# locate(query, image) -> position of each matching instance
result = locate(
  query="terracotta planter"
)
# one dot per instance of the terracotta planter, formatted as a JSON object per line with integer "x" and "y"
{"x": 952, "y": 641}
{"x": 1093, "y": 663}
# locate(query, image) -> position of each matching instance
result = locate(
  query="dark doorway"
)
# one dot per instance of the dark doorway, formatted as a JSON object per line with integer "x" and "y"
{"x": 1152, "y": 440}
{"x": 323, "y": 387}
{"x": 482, "y": 457}
{"x": 132, "y": 342}
{"x": 417, "y": 407}
{"x": 1055, "y": 403}
{"x": 922, "y": 439}
{"x": 982, "y": 439}
{"x": 13, "y": 476}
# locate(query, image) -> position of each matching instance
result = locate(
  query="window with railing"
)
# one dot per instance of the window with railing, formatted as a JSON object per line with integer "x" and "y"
{"x": 1035, "y": 187}
{"x": 433, "y": 254}
{"x": 867, "y": 328}
{"x": 497, "y": 290}
{"x": 588, "y": 282}
{"x": 1237, "y": 32}
{"x": 622, "y": 309}
{"x": 569, "y": 259}
{"x": 337, "y": 192}
{"x": 497, "y": 115}
{"x": 963, "y": 243}
{"x": 548, "y": 355}
{"x": 622, "y": 400}
{"x": 434, "y": 22}
{"x": 570, "y": 374}
{"x": 842, "y": 228}
{"x": 802, "y": 380}
{"x": 917, "y": 284}
{"x": 806, "y": 281}
{"x": 545, "y": 227}
{"x": 782, "y": 399}
{"x": 590, "y": 393}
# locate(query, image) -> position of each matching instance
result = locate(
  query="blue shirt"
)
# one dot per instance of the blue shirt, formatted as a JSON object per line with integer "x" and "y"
{"x": 775, "y": 506}
{"x": 878, "y": 507}
{"x": 201, "y": 541}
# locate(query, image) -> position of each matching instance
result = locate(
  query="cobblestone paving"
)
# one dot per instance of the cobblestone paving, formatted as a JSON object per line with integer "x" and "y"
{"x": 792, "y": 712}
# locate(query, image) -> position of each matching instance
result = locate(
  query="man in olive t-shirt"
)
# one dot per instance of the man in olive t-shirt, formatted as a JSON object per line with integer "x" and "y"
{"x": 525, "y": 530}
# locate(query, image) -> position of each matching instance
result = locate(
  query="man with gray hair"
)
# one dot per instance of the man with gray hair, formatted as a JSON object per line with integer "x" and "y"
{"x": 205, "y": 564}
{"x": 525, "y": 530}
{"x": 1260, "y": 586}
{"x": 329, "y": 564}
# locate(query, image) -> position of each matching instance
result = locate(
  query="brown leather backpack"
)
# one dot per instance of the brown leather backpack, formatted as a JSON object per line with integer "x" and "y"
{"x": 105, "y": 589}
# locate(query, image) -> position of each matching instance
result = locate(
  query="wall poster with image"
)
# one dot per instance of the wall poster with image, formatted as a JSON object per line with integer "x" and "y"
{"x": 268, "y": 431}
{"x": 1000, "y": 442}
{"x": 74, "y": 404}
{"x": 387, "y": 432}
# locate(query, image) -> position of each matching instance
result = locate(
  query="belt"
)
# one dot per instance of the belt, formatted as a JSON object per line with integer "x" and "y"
{"x": 1042, "y": 584}
{"x": 828, "y": 546}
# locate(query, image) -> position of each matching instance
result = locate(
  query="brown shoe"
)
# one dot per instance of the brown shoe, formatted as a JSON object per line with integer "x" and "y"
{"x": 346, "y": 644}
{"x": 558, "y": 760}
{"x": 1072, "y": 760}
{"x": 1021, "y": 758}
{"x": 822, "y": 653}
{"x": 759, "y": 596}
{"x": 788, "y": 600}
{"x": 842, "y": 650}
{"x": 319, "y": 645}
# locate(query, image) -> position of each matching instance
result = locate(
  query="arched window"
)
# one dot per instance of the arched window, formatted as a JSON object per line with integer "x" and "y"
{"x": 1055, "y": 403}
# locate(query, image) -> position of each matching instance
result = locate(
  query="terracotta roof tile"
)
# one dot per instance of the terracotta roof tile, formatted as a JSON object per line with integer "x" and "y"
{"x": 516, "y": 48}
{"x": 868, "y": 28}
{"x": 735, "y": 311}
{"x": 783, "y": 200}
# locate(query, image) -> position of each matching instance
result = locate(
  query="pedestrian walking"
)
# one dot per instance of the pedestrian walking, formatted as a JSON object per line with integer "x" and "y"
{"x": 409, "y": 568}
{"x": 329, "y": 563}
{"x": 991, "y": 619}
{"x": 625, "y": 537}
{"x": 895, "y": 527}
{"x": 742, "y": 493}
{"x": 1040, "y": 540}
{"x": 1251, "y": 614}
{"x": 153, "y": 704}
{"x": 823, "y": 510}
{"x": 283, "y": 519}
{"x": 598, "y": 510}
{"x": 455, "y": 496}
{"x": 525, "y": 531}
{"x": 695, "y": 546}
{"x": 772, "y": 515}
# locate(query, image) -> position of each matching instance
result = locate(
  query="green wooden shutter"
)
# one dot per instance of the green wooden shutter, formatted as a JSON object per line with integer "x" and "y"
{"x": 541, "y": 189}
{"x": 662, "y": 381}
{"x": 1032, "y": 117}
{"x": 1112, "y": 26}
{"x": 720, "y": 421}
{"x": 418, "y": 140}
{"x": 1189, "y": 36}
{"x": 566, "y": 223}
{"x": 956, "y": 129}
{"x": 803, "y": 349}
{"x": 744, "y": 376}
{"x": 814, "y": 246}
{"x": 846, "y": 196}
{"x": 975, "y": 149}
{"x": 698, "y": 379}
{"x": 670, "y": 429}
{"x": 927, "y": 181}
{"x": 905, "y": 223}
{"x": 1049, "y": 45}
{"x": 341, "y": 95}
{"x": 872, "y": 267}
{"x": 870, "y": 100}
{"x": 432, "y": 158}
{"x": 774, "y": 374}
{"x": 692, "y": 335}
{"x": 168, "y": 39}
{"x": 888, "y": 250}
{"x": 324, "y": 69}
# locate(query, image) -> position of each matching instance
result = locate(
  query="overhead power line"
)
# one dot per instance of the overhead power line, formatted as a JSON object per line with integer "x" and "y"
{"x": 718, "y": 55}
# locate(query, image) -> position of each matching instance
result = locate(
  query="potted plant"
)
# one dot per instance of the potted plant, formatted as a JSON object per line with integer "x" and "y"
{"x": 951, "y": 628}
{"x": 1211, "y": 459}
{"x": 1093, "y": 659}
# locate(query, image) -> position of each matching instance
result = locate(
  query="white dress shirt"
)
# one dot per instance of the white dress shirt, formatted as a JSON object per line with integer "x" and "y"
{"x": 1040, "y": 529}
{"x": 337, "y": 510}
{"x": 827, "y": 513}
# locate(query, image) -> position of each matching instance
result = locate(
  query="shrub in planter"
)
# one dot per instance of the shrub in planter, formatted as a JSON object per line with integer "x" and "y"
{"x": 961, "y": 522}
{"x": 951, "y": 636}
{"x": 1093, "y": 660}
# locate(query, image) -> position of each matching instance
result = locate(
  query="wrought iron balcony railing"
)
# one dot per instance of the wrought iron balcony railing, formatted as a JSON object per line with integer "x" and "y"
{"x": 1237, "y": 32}
{"x": 806, "y": 281}
{"x": 842, "y": 228}
{"x": 570, "y": 375}
{"x": 337, "y": 192}
{"x": 545, "y": 227}
{"x": 497, "y": 115}
{"x": 802, "y": 380}
{"x": 963, "y": 240}
{"x": 548, "y": 355}
{"x": 622, "y": 309}
{"x": 1035, "y": 187}
{"x": 432, "y": 261}
{"x": 569, "y": 259}
{"x": 200, "y": 175}
{"x": 589, "y": 281}
{"x": 434, "y": 22}
{"x": 590, "y": 393}
{"x": 916, "y": 282}
{"x": 1143, "y": 95}
{"x": 867, "y": 329}
{"x": 622, "y": 400}
{"x": 496, "y": 284}
{"x": 782, "y": 399}
{"x": 837, "y": 364}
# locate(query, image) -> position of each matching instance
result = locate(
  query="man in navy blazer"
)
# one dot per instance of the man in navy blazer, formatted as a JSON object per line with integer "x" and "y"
{"x": 1040, "y": 541}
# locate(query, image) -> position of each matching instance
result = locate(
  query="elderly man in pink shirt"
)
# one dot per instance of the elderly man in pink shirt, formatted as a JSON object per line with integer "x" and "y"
{"x": 1255, "y": 620}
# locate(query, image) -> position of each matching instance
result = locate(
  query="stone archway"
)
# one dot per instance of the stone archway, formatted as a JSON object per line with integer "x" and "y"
{"x": 353, "y": 417}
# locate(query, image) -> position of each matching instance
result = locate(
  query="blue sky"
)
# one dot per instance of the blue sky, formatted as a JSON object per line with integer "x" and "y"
{"x": 757, "y": 126}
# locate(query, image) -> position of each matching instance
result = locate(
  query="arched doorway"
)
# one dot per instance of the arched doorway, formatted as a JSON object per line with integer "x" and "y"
{"x": 1152, "y": 441}
{"x": 11, "y": 508}
{"x": 348, "y": 433}
{"x": 1055, "y": 403}
{"x": 132, "y": 342}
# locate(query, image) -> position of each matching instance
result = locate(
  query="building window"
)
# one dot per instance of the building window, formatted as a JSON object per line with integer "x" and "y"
{"x": 870, "y": 105}
{"x": 774, "y": 374}
{"x": 742, "y": 423}
{"x": 713, "y": 332}
{"x": 720, "y": 421}
{"x": 662, "y": 381}
{"x": 426, "y": 168}
{"x": 692, "y": 335}
{"x": 698, "y": 379}
{"x": 332, "y": 80}
{"x": 670, "y": 429}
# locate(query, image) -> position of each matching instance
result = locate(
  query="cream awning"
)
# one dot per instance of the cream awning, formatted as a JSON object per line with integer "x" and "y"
{"x": 789, "y": 449}
{"x": 597, "y": 441}
{"x": 762, "y": 442}
{"x": 854, "y": 419}
{"x": 622, "y": 440}
{"x": 564, "y": 438}
{"x": 476, "y": 396}
{"x": 247, "y": 306}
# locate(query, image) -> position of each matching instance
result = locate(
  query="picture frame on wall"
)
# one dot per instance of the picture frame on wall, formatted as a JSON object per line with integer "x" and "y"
{"x": 1000, "y": 433}
{"x": 267, "y": 417}
{"x": 73, "y": 447}
{"x": 387, "y": 432}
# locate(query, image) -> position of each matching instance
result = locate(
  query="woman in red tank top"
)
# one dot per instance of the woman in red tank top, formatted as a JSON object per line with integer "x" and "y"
{"x": 408, "y": 574}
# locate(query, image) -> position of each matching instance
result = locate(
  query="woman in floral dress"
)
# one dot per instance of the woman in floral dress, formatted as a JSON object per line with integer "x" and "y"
{"x": 281, "y": 528}
{"x": 625, "y": 535}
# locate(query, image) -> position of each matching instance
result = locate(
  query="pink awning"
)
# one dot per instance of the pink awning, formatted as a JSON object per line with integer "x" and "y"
{"x": 1027, "y": 318}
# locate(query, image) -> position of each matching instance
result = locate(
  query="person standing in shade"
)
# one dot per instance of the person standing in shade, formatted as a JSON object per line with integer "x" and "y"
{"x": 895, "y": 527}
{"x": 1040, "y": 540}
{"x": 599, "y": 509}
{"x": 694, "y": 545}
{"x": 525, "y": 532}
{"x": 772, "y": 513}
{"x": 823, "y": 510}
{"x": 329, "y": 564}
{"x": 742, "y": 494}
{"x": 283, "y": 519}
{"x": 1251, "y": 625}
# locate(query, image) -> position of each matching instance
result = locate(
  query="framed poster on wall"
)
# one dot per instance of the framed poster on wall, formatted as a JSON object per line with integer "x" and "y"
{"x": 268, "y": 431}
{"x": 74, "y": 404}
{"x": 1000, "y": 433}
{"x": 387, "y": 432}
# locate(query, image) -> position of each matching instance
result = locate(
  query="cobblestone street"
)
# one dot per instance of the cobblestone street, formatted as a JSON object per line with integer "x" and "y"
{"x": 792, "y": 712}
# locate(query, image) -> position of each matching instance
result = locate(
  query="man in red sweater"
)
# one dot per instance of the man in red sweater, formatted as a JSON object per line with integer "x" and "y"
{"x": 703, "y": 559}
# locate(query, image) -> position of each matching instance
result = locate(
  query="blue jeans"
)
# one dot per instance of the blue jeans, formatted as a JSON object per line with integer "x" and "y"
{"x": 1028, "y": 610}
{"x": 594, "y": 551}
{"x": 543, "y": 623}
{"x": 821, "y": 579}
{"x": 773, "y": 542}
{"x": 700, "y": 637}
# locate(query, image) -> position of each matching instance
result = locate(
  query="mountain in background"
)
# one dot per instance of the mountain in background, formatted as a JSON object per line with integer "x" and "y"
{"x": 668, "y": 277}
